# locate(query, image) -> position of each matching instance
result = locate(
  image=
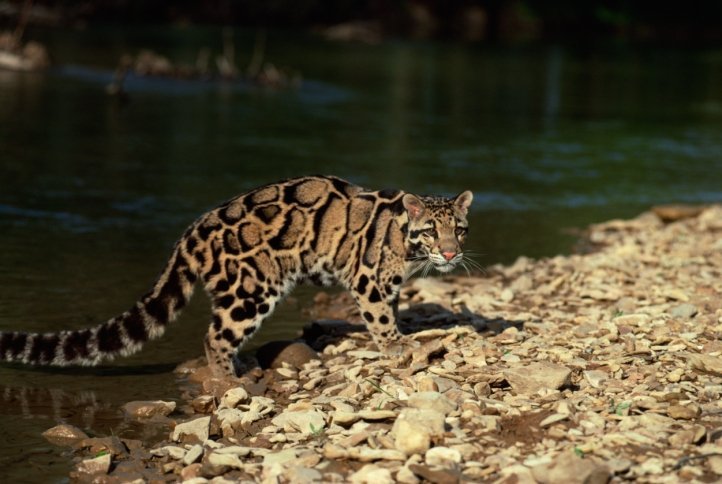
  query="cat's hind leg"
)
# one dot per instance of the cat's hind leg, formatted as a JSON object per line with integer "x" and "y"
{"x": 231, "y": 328}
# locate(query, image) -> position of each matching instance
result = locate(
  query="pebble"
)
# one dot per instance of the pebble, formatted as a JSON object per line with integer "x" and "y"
{"x": 442, "y": 456}
{"x": 685, "y": 412}
{"x": 91, "y": 467}
{"x": 225, "y": 460}
{"x": 306, "y": 422}
{"x": 198, "y": 428}
{"x": 433, "y": 401}
{"x": 192, "y": 455}
{"x": 685, "y": 311}
{"x": 537, "y": 376}
{"x": 372, "y": 474}
{"x": 570, "y": 468}
{"x": 233, "y": 397}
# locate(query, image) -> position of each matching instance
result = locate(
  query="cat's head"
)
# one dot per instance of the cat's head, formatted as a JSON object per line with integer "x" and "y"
{"x": 437, "y": 229}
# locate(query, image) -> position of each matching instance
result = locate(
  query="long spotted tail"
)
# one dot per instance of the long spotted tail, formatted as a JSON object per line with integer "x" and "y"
{"x": 122, "y": 335}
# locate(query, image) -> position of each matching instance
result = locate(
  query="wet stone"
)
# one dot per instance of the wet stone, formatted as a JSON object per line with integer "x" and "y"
{"x": 148, "y": 409}
{"x": 64, "y": 434}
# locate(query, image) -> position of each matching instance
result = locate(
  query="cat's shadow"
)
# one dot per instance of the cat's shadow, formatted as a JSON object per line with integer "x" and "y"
{"x": 415, "y": 319}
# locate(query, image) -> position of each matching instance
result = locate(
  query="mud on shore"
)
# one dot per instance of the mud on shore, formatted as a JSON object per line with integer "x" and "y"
{"x": 596, "y": 367}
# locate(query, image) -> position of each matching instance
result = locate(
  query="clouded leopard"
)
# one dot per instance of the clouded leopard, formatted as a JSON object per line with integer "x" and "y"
{"x": 251, "y": 251}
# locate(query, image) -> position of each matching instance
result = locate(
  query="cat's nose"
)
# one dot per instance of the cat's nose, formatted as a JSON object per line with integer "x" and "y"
{"x": 448, "y": 255}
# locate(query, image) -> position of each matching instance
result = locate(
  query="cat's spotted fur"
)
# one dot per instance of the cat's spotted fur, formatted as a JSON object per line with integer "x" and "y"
{"x": 253, "y": 249}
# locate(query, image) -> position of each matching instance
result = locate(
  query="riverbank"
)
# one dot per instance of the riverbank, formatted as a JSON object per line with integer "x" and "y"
{"x": 596, "y": 366}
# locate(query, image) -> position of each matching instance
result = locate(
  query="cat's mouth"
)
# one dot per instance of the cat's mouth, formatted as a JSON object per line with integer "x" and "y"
{"x": 442, "y": 264}
{"x": 445, "y": 266}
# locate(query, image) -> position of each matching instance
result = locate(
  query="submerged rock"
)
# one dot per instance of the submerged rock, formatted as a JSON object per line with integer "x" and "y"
{"x": 147, "y": 409}
{"x": 64, "y": 434}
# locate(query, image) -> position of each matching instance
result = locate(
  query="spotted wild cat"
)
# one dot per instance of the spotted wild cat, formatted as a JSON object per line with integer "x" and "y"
{"x": 252, "y": 250}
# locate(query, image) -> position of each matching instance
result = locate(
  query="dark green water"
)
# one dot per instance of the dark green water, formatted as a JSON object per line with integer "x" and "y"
{"x": 93, "y": 194}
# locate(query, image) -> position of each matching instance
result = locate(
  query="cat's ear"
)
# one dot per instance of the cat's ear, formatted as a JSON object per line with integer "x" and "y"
{"x": 414, "y": 206}
{"x": 463, "y": 201}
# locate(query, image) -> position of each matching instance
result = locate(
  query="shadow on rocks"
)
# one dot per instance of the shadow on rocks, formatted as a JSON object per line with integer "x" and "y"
{"x": 416, "y": 319}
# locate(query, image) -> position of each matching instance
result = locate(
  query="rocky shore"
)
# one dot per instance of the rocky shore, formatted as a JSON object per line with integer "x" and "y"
{"x": 595, "y": 367}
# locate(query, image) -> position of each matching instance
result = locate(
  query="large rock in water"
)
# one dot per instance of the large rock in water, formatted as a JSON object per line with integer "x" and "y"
{"x": 64, "y": 434}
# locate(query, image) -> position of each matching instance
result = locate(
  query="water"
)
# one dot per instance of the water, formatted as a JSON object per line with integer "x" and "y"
{"x": 93, "y": 193}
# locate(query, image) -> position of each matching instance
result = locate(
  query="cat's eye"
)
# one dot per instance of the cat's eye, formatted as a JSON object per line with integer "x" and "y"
{"x": 460, "y": 231}
{"x": 429, "y": 232}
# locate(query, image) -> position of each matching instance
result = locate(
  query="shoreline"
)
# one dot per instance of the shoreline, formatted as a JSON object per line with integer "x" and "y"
{"x": 603, "y": 365}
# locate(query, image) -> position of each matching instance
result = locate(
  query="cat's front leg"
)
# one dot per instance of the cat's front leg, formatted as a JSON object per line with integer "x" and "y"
{"x": 380, "y": 313}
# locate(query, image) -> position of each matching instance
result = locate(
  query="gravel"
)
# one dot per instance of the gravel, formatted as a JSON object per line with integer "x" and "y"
{"x": 582, "y": 368}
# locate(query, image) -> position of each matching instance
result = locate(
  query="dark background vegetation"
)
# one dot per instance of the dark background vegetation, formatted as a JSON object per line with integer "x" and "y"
{"x": 487, "y": 20}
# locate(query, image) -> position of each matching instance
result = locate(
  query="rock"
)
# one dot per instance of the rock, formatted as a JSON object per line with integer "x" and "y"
{"x": 516, "y": 474}
{"x": 427, "y": 384}
{"x": 410, "y": 438}
{"x": 218, "y": 459}
{"x": 706, "y": 363}
{"x": 98, "y": 445}
{"x": 653, "y": 466}
{"x": 406, "y": 476}
{"x": 145, "y": 409}
{"x": 282, "y": 457}
{"x": 626, "y": 305}
{"x": 198, "y": 429}
{"x": 715, "y": 464}
{"x": 684, "y": 412}
{"x": 595, "y": 378}
{"x": 193, "y": 455}
{"x": 536, "y": 376}
{"x": 302, "y": 475}
{"x": 294, "y": 353}
{"x": 190, "y": 472}
{"x": 372, "y": 474}
{"x": 230, "y": 420}
{"x": 203, "y": 404}
{"x": 433, "y": 401}
{"x": 91, "y": 467}
{"x": 365, "y": 355}
{"x": 366, "y": 454}
{"x": 64, "y": 434}
{"x": 345, "y": 418}
{"x": 233, "y": 397}
{"x": 436, "y": 476}
{"x": 522, "y": 284}
{"x": 307, "y": 422}
{"x": 376, "y": 415}
{"x": 672, "y": 213}
{"x": 684, "y": 311}
{"x": 567, "y": 467}
{"x": 414, "y": 428}
{"x": 442, "y": 456}
{"x": 172, "y": 451}
{"x": 553, "y": 418}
